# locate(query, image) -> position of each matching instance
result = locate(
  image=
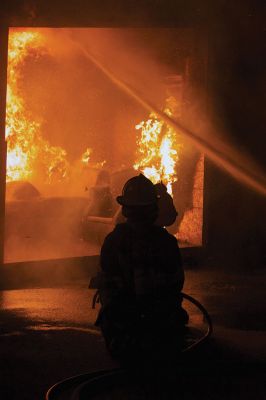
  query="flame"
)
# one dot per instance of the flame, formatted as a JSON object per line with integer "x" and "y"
{"x": 157, "y": 151}
{"x": 27, "y": 151}
{"x": 86, "y": 156}
{"x": 86, "y": 159}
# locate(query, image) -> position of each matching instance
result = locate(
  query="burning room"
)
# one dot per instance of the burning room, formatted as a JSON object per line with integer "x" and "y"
{"x": 92, "y": 94}
{"x": 69, "y": 117}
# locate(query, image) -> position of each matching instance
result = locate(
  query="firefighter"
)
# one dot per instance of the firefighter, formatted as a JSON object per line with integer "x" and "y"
{"x": 141, "y": 280}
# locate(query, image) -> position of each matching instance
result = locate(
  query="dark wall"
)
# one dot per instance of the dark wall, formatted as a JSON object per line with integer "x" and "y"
{"x": 235, "y": 215}
{"x": 106, "y": 12}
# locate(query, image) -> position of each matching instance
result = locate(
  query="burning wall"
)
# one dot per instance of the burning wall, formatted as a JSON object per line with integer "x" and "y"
{"x": 66, "y": 121}
{"x": 28, "y": 153}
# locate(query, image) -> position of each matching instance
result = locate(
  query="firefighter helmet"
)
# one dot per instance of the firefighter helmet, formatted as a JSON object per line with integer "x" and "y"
{"x": 138, "y": 191}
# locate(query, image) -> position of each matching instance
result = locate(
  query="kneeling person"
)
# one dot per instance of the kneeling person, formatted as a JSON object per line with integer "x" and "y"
{"x": 141, "y": 280}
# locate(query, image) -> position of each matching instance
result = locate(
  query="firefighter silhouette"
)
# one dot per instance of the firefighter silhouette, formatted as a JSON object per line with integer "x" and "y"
{"x": 141, "y": 280}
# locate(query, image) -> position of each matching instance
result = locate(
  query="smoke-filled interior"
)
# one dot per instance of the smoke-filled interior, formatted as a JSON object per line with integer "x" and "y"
{"x": 74, "y": 137}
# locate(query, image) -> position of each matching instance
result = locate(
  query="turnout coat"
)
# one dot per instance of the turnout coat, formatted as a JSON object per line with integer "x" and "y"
{"x": 140, "y": 283}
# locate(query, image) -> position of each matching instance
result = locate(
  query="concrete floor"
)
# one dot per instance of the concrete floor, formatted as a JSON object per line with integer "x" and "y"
{"x": 48, "y": 334}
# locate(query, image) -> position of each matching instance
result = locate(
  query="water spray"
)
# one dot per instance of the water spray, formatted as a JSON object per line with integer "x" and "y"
{"x": 218, "y": 157}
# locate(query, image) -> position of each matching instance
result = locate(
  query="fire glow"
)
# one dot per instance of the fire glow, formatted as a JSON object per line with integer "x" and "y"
{"x": 27, "y": 151}
{"x": 29, "y": 154}
{"x": 63, "y": 119}
{"x": 157, "y": 151}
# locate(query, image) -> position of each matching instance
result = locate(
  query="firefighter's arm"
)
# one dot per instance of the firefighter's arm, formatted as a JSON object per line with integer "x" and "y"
{"x": 174, "y": 278}
{"x": 111, "y": 281}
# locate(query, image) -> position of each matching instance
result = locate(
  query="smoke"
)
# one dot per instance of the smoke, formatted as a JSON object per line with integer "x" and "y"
{"x": 93, "y": 86}
{"x": 130, "y": 66}
{"x": 219, "y": 152}
{"x": 44, "y": 228}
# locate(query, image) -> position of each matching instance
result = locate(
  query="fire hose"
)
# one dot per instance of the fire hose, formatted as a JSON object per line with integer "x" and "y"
{"x": 80, "y": 385}
{"x": 189, "y": 298}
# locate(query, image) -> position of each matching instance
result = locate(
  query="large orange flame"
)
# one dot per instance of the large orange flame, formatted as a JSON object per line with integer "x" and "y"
{"x": 157, "y": 152}
{"x": 27, "y": 151}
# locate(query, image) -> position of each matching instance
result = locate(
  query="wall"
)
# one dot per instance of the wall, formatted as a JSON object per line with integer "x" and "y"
{"x": 235, "y": 215}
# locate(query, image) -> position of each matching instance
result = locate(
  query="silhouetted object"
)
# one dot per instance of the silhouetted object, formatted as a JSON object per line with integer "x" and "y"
{"x": 183, "y": 187}
{"x": 166, "y": 209}
{"x": 101, "y": 202}
{"x": 141, "y": 280}
{"x": 21, "y": 190}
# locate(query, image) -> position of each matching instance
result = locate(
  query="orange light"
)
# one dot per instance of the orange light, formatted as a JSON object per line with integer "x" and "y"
{"x": 27, "y": 150}
{"x": 157, "y": 153}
